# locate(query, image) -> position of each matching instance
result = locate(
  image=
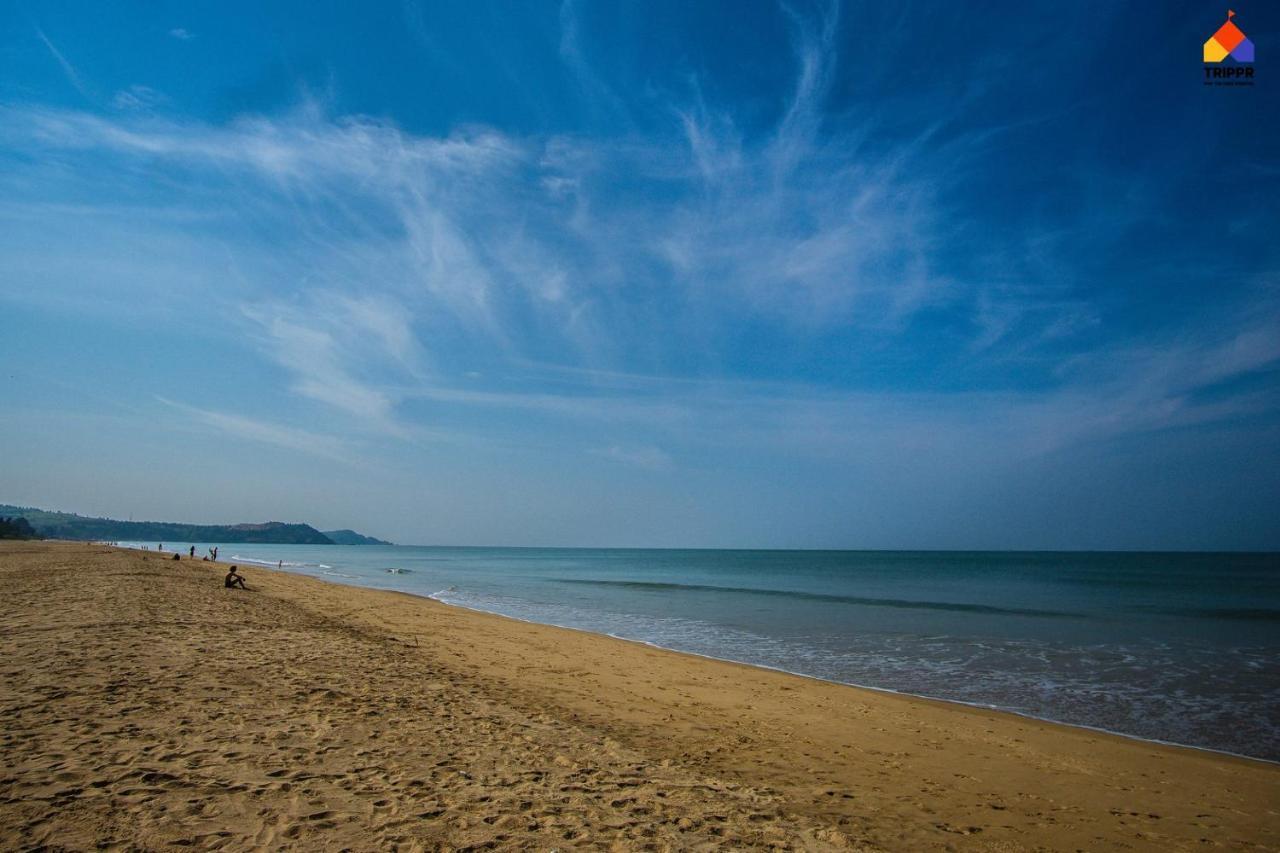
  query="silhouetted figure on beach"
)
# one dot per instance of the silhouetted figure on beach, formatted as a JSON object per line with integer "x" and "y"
{"x": 234, "y": 580}
{"x": 193, "y": 552}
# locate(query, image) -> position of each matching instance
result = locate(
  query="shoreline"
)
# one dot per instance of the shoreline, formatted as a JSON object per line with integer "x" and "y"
{"x": 995, "y": 709}
{"x": 331, "y": 578}
{"x": 349, "y": 716}
{"x": 263, "y": 565}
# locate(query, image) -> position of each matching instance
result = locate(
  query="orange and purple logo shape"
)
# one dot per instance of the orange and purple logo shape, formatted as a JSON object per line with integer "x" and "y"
{"x": 1228, "y": 41}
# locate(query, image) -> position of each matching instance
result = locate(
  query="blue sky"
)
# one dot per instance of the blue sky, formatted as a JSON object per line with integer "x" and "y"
{"x": 671, "y": 274}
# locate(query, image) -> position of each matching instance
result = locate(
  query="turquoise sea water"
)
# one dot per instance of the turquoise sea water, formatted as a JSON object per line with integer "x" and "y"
{"x": 1175, "y": 647}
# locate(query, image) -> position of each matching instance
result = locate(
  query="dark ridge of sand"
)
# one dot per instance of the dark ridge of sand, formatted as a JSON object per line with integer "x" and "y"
{"x": 143, "y": 706}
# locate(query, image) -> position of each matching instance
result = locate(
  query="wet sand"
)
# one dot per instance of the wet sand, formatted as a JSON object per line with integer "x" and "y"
{"x": 143, "y": 706}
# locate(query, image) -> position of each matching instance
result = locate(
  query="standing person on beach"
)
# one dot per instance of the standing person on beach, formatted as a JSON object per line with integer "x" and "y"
{"x": 193, "y": 552}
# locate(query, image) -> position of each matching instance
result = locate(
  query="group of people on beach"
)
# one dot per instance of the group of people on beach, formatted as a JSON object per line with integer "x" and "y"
{"x": 233, "y": 580}
{"x": 213, "y": 552}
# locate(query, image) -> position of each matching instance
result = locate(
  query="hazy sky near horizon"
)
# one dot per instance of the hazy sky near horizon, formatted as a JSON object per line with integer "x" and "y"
{"x": 868, "y": 275}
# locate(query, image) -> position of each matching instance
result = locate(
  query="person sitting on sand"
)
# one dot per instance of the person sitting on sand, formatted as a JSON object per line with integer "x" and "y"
{"x": 233, "y": 580}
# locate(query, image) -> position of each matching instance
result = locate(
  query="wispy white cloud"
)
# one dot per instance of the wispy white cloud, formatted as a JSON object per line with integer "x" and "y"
{"x": 597, "y": 92}
{"x": 291, "y": 438}
{"x": 819, "y": 281}
{"x": 68, "y": 70}
{"x": 570, "y": 229}
{"x": 336, "y": 347}
{"x": 1136, "y": 389}
{"x": 814, "y": 49}
{"x": 378, "y": 268}
{"x": 304, "y": 146}
{"x": 406, "y": 261}
{"x": 137, "y": 97}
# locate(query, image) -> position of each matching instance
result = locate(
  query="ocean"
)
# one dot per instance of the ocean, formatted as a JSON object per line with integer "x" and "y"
{"x": 1181, "y": 648}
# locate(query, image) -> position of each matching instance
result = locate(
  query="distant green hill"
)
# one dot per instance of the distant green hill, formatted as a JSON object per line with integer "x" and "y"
{"x": 65, "y": 525}
{"x": 16, "y": 528}
{"x": 350, "y": 537}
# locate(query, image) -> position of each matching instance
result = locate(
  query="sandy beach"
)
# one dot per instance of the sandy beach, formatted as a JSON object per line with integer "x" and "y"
{"x": 145, "y": 707}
